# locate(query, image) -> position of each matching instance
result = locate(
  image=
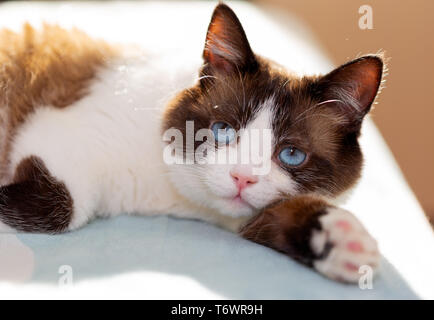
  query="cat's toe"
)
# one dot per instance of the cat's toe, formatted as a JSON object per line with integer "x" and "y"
{"x": 343, "y": 246}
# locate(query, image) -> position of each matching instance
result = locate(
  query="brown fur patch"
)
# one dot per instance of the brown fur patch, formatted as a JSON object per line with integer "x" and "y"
{"x": 35, "y": 201}
{"x": 51, "y": 67}
{"x": 287, "y": 227}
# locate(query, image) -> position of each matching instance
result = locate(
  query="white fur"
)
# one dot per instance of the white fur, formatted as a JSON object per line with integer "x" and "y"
{"x": 334, "y": 265}
{"x": 6, "y": 229}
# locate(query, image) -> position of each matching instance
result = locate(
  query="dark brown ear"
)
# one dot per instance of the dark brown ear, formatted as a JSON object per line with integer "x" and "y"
{"x": 352, "y": 88}
{"x": 226, "y": 48}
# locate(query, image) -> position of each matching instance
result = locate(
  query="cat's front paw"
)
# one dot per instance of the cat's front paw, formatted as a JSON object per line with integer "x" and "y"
{"x": 344, "y": 246}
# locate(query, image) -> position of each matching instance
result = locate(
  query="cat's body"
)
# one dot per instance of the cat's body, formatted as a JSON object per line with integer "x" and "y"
{"x": 82, "y": 126}
{"x": 110, "y": 138}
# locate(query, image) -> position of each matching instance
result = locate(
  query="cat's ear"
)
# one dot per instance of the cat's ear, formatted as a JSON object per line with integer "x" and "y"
{"x": 352, "y": 88}
{"x": 226, "y": 48}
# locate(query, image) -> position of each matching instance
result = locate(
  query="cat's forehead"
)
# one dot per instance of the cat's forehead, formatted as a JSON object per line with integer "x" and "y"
{"x": 285, "y": 100}
{"x": 263, "y": 117}
{"x": 242, "y": 97}
{"x": 288, "y": 106}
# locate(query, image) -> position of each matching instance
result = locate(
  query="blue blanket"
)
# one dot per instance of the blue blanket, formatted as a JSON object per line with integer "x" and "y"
{"x": 219, "y": 260}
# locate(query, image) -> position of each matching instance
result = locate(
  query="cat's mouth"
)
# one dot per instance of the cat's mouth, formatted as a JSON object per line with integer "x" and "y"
{"x": 238, "y": 200}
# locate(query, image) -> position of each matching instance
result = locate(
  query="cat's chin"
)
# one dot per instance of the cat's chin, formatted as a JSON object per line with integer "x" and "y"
{"x": 235, "y": 207}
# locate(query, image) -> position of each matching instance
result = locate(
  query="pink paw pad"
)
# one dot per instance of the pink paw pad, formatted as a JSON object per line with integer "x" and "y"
{"x": 352, "y": 267}
{"x": 355, "y": 246}
{"x": 344, "y": 225}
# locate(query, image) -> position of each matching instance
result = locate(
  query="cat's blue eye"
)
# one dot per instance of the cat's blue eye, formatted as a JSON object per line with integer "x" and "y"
{"x": 292, "y": 156}
{"x": 223, "y": 132}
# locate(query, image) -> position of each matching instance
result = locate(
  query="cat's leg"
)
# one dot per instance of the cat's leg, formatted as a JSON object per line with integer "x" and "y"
{"x": 35, "y": 201}
{"x": 322, "y": 236}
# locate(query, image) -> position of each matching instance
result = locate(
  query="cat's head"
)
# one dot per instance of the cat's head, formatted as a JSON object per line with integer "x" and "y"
{"x": 314, "y": 125}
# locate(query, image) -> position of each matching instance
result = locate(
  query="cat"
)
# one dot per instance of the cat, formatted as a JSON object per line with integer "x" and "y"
{"x": 85, "y": 133}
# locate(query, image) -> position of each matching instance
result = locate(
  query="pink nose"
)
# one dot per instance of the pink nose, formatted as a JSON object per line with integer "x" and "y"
{"x": 243, "y": 180}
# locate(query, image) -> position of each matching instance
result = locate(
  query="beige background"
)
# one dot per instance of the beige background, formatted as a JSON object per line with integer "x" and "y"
{"x": 405, "y": 113}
